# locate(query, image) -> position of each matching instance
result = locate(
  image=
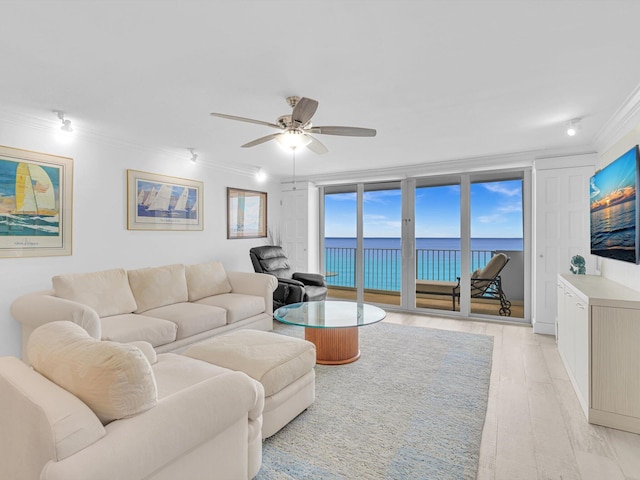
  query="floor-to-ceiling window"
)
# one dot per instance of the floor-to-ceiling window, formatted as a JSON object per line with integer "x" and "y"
{"x": 340, "y": 240}
{"x": 437, "y": 242}
{"x": 421, "y": 244}
{"x": 382, "y": 232}
{"x": 497, "y": 227}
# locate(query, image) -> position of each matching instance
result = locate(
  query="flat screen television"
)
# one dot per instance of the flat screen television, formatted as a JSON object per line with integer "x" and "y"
{"x": 615, "y": 210}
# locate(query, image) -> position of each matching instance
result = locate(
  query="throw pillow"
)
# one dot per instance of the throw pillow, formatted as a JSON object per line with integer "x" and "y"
{"x": 158, "y": 286}
{"x": 206, "y": 279}
{"x": 107, "y": 292}
{"x": 114, "y": 380}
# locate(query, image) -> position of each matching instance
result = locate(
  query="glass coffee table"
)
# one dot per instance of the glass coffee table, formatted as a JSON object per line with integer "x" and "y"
{"x": 331, "y": 326}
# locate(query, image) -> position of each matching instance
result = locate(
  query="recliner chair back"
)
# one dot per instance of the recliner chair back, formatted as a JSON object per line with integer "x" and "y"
{"x": 293, "y": 287}
{"x": 270, "y": 259}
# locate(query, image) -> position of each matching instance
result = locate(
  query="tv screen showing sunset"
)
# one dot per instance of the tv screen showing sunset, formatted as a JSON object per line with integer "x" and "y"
{"x": 613, "y": 209}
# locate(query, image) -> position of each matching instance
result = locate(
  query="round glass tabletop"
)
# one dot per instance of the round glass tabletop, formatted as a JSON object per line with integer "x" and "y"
{"x": 329, "y": 314}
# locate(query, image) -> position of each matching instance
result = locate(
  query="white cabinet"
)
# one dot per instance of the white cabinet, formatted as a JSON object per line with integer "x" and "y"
{"x": 573, "y": 343}
{"x": 598, "y": 336}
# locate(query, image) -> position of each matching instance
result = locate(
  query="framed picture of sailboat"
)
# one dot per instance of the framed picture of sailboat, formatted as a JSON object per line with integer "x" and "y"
{"x": 35, "y": 203}
{"x": 160, "y": 202}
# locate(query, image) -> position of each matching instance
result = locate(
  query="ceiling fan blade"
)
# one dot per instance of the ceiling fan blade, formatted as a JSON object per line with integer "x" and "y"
{"x": 345, "y": 131}
{"x": 243, "y": 119}
{"x": 303, "y": 111}
{"x": 260, "y": 140}
{"x": 316, "y": 146}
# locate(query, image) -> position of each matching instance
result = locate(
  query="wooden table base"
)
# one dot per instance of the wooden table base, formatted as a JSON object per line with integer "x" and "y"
{"x": 334, "y": 346}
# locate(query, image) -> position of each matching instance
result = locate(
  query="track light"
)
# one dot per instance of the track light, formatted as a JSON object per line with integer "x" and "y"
{"x": 261, "y": 175}
{"x": 66, "y": 124}
{"x": 194, "y": 155}
{"x": 65, "y": 134}
{"x": 573, "y": 126}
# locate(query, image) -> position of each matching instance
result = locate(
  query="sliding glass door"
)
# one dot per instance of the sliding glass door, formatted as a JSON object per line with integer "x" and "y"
{"x": 382, "y": 260}
{"x": 437, "y": 243}
{"x": 455, "y": 244}
{"x": 497, "y": 245}
{"x": 340, "y": 241}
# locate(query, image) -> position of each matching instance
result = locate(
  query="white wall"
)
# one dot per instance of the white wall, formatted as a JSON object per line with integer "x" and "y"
{"x": 100, "y": 237}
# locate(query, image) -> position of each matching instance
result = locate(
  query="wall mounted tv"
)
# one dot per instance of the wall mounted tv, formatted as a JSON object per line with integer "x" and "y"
{"x": 615, "y": 210}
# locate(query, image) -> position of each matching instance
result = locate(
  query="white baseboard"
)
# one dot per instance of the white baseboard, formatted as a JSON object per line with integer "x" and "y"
{"x": 544, "y": 328}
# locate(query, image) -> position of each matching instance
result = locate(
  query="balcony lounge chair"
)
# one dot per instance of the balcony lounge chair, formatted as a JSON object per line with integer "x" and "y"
{"x": 485, "y": 283}
{"x": 293, "y": 287}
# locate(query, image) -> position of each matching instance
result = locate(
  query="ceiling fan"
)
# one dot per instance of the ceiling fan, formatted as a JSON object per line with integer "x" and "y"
{"x": 296, "y": 128}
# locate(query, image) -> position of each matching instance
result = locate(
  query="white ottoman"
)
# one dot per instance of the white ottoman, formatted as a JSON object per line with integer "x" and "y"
{"x": 284, "y": 366}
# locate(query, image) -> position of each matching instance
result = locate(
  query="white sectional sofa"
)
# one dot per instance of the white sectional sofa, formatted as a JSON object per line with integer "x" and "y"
{"x": 169, "y": 306}
{"x": 99, "y": 410}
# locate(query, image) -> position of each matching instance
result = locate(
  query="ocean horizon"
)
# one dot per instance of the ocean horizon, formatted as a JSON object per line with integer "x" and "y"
{"x": 438, "y": 243}
{"x": 437, "y": 258}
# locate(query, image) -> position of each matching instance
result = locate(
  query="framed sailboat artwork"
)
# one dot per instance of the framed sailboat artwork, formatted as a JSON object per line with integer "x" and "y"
{"x": 35, "y": 203}
{"x": 160, "y": 202}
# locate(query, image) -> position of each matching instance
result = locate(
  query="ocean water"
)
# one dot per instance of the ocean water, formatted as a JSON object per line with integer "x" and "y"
{"x": 29, "y": 225}
{"x": 613, "y": 231}
{"x": 436, "y": 259}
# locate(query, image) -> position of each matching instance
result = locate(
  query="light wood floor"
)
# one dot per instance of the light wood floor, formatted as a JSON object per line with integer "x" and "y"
{"x": 535, "y": 428}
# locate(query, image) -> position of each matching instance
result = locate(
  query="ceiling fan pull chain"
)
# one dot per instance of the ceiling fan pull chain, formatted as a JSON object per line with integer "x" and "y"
{"x": 294, "y": 167}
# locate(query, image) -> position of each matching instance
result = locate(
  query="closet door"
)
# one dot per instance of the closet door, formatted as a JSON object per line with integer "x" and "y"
{"x": 561, "y": 231}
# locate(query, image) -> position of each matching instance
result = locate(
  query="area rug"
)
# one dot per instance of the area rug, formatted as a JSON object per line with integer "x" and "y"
{"x": 412, "y": 407}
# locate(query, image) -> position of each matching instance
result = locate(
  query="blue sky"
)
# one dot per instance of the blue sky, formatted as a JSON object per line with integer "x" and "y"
{"x": 8, "y": 176}
{"x": 615, "y": 176}
{"x": 496, "y": 212}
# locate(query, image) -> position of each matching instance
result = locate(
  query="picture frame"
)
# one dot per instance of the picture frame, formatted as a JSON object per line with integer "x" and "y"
{"x": 246, "y": 213}
{"x": 162, "y": 202}
{"x": 615, "y": 209}
{"x": 36, "y": 195}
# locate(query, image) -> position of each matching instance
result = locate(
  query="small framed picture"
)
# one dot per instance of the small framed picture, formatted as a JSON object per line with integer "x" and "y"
{"x": 160, "y": 202}
{"x": 246, "y": 213}
{"x": 35, "y": 203}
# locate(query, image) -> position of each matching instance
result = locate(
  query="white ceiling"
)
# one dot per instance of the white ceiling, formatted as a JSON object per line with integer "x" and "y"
{"x": 439, "y": 80}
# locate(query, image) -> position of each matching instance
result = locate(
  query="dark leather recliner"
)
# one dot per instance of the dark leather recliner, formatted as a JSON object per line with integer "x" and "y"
{"x": 293, "y": 287}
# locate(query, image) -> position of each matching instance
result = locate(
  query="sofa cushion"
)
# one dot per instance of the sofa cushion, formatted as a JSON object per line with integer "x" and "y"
{"x": 274, "y": 360}
{"x": 132, "y": 327}
{"x": 113, "y": 379}
{"x": 107, "y": 292}
{"x": 158, "y": 286}
{"x": 191, "y": 318}
{"x": 238, "y": 306}
{"x": 206, "y": 279}
{"x": 175, "y": 372}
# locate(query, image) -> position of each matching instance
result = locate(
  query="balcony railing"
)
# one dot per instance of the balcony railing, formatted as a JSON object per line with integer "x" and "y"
{"x": 383, "y": 266}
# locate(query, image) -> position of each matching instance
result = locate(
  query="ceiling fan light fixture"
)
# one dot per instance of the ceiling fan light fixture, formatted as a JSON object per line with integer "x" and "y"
{"x": 293, "y": 139}
{"x": 294, "y": 129}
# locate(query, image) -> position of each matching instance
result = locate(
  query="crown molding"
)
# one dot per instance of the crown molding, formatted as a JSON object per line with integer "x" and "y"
{"x": 620, "y": 123}
{"x": 515, "y": 160}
